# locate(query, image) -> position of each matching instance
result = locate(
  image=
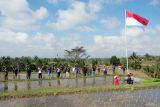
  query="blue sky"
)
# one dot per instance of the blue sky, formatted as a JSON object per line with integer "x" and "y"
{"x": 48, "y": 27}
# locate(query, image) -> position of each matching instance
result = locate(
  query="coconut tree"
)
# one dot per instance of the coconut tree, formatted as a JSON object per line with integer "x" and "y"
{"x": 153, "y": 70}
{"x": 157, "y": 69}
{"x": 135, "y": 61}
{"x": 133, "y": 56}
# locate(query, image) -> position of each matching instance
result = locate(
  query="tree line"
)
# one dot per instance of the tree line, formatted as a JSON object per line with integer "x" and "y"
{"x": 77, "y": 56}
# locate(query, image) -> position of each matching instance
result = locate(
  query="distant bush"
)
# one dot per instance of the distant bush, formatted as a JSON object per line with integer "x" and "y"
{"x": 114, "y": 61}
{"x": 154, "y": 70}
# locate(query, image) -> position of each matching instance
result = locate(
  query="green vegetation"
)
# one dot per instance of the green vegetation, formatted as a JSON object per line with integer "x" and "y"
{"x": 152, "y": 80}
{"x": 135, "y": 61}
{"x": 153, "y": 70}
{"x": 57, "y": 91}
{"x": 77, "y": 57}
{"x": 115, "y": 61}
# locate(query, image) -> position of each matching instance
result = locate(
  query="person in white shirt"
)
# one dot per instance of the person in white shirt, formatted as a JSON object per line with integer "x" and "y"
{"x": 40, "y": 72}
{"x": 58, "y": 72}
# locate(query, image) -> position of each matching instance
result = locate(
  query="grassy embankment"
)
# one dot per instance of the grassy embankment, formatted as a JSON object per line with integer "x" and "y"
{"x": 58, "y": 91}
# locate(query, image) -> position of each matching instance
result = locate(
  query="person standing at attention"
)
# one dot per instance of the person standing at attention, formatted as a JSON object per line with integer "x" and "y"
{"x": 58, "y": 72}
{"x": 28, "y": 72}
{"x": 4, "y": 69}
{"x": 50, "y": 72}
{"x": 113, "y": 69}
{"x": 67, "y": 71}
{"x": 94, "y": 71}
{"x": 40, "y": 72}
{"x": 99, "y": 70}
{"x": 105, "y": 70}
{"x": 15, "y": 71}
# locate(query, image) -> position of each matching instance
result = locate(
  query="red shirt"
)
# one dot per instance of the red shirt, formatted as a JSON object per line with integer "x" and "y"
{"x": 116, "y": 81}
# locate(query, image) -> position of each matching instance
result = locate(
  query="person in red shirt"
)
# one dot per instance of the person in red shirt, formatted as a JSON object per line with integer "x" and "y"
{"x": 116, "y": 80}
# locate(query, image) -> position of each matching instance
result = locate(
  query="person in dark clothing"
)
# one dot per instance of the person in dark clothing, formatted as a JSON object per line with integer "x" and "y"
{"x": 84, "y": 71}
{"x": 49, "y": 71}
{"x": 28, "y": 72}
{"x": 129, "y": 79}
{"x": 113, "y": 69}
{"x": 4, "y": 69}
{"x": 15, "y": 72}
{"x": 76, "y": 71}
{"x": 123, "y": 69}
{"x": 105, "y": 71}
{"x": 99, "y": 70}
{"x": 94, "y": 71}
{"x": 67, "y": 71}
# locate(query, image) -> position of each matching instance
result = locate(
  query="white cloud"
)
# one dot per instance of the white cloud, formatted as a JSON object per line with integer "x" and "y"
{"x": 95, "y": 5}
{"x": 158, "y": 27}
{"x": 134, "y": 32}
{"x": 41, "y": 13}
{"x": 75, "y": 15}
{"x": 53, "y": 1}
{"x": 138, "y": 40}
{"x": 48, "y": 44}
{"x": 154, "y": 2}
{"x": 106, "y": 46}
{"x": 108, "y": 43}
{"x": 111, "y": 22}
{"x": 9, "y": 37}
{"x": 116, "y": 1}
{"x": 44, "y": 45}
{"x": 85, "y": 29}
{"x": 106, "y": 2}
{"x": 101, "y": 40}
{"x": 8, "y": 9}
{"x": 17, "y": 15}
{"x": 80, "y": 13}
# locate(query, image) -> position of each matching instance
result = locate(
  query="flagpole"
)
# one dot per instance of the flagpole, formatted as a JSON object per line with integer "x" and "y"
{"x": 126, "y": 43}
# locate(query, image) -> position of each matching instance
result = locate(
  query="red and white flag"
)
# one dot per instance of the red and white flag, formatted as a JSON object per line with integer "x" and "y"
{"x": 133, "y": 19}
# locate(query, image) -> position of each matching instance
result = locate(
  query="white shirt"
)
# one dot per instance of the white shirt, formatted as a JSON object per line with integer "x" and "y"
{"x": 73, "y": 69}
{"x": 39, "y": 70}
{"x": 58, "y": 69}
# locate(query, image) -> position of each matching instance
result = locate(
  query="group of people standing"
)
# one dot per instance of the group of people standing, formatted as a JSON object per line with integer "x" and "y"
{"x": 61, "y": 69}
{"x": 5, "y": 70}
{"x": 50, "y": 70}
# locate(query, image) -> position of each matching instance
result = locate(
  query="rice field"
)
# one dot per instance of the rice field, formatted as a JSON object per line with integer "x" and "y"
{"x": 138, "y": 98}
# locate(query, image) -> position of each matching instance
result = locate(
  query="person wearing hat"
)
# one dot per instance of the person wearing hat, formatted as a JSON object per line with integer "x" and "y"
{"x": 116, "y": 80}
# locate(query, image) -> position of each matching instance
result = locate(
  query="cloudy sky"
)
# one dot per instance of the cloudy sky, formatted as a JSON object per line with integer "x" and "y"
{"x": 48, "y": 27}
